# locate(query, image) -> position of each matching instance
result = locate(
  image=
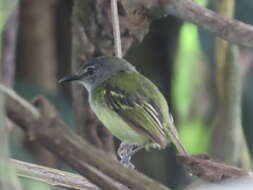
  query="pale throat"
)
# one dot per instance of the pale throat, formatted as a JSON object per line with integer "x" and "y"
{"x": 86, "y": 85}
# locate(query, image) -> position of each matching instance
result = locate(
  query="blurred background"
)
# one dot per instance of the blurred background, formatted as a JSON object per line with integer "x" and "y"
{"x": 206, "y": 81}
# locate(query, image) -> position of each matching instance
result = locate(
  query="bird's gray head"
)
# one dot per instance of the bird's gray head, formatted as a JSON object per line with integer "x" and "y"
{"x": 97, "y": 70}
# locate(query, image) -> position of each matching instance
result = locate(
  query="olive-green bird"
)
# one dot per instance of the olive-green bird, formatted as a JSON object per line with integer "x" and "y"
{"x": 127, "y": 103}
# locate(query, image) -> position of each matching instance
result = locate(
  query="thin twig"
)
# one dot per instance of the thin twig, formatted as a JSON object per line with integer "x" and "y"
{"x": 116, "y": 29}
{"x": 52, "y": 176}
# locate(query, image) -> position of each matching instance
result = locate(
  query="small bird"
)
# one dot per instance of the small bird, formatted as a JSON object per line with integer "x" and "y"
{"x": 127, "y": 103}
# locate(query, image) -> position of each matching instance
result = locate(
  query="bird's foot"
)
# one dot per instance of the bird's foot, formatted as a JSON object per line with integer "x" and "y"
{"x": 126, "y": 151}
{"x": 126, "y": 162}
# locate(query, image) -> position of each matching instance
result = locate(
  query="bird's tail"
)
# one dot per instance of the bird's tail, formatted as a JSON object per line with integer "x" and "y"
{"x": 174, "y": 138}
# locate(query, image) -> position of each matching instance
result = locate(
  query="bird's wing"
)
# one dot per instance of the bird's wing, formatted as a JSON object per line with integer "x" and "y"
{"x": 140, "y": 112}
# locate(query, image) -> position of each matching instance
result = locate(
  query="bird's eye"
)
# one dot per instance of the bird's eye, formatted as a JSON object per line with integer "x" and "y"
{"x": 90, "y": 70}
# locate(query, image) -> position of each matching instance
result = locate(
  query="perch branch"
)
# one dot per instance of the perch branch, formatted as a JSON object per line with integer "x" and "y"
{"x": 210, "y": 170}
{"x": 52, "y": 133}
{"x": 52, "y": 176}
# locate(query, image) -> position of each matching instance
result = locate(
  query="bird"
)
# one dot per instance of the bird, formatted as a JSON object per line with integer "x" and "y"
{"x": 127, "y": 103}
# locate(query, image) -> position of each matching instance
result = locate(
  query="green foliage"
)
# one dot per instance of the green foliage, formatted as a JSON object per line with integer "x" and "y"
{"x": 186, "y": 80}
{"x": 195, "y": 136}
{"x": 201, "y": 2}
{"x": 183, "y": 80}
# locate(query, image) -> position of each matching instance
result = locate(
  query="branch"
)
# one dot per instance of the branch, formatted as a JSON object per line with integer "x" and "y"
{"x": 23, "y": 105}
{"x": 52, "y": 133}
{"x": 211, "y": 170}
{"x": 187, "y": 10}
{"x": 52, "y": 176}
{"x": 228, "y": 29}
{"x": 98, "y": 167}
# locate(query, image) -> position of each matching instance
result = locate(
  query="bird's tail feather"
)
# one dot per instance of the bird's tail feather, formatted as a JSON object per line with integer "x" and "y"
{"x": 174, "y": 138}
{"x": 176, "y": 141}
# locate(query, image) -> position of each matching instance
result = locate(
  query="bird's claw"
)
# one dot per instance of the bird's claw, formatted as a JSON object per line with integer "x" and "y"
{"x": 126, "y": 162}
{"x": 125, "y": 153}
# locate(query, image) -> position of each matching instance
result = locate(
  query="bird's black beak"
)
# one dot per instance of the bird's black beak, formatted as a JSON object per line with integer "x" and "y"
{"x": 70, "y": 78}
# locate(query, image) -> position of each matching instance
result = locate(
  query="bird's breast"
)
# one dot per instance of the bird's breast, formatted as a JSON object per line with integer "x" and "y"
{"x": 112, "y": 121}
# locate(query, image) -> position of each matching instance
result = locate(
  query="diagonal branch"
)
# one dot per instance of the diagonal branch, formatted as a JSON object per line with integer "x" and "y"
{"x": 187, "y": 10}
{"x": 50, "y": 131}
{"x": 52, "y": 176}
{"x": 210, "y": 170}
{"x": 228, "y": 29}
